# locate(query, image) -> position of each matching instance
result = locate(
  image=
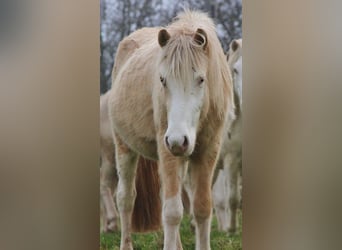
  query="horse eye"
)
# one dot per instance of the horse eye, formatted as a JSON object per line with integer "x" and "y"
{"x": 236, "y": 71}
{"x": 162, "y": 80}
{"x": 200, "y": 80}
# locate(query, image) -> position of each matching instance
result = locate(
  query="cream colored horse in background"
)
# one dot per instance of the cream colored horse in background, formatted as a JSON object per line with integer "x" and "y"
{"x": 108, "y": 176}
{"x": 169, "y": 102}
{"x": 226, "y": 193}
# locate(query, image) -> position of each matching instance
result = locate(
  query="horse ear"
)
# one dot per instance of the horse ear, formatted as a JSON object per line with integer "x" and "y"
{"x": 163, "y": 37}
{"x": 201, "y": 38}
{"x": 234, "y": 45}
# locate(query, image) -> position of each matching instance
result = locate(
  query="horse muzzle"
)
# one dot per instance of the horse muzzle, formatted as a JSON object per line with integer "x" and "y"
{"x": 178, "y": 146}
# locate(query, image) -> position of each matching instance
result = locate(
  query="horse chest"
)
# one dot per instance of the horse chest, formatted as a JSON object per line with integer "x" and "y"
{"x": 133, "y": 122}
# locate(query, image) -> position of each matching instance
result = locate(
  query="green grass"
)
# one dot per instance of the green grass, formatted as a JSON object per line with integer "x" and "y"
{"x": 154, "y": 241}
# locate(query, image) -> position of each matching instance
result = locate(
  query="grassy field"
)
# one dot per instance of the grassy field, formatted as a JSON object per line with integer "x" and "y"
{"x": 154, "y": 241}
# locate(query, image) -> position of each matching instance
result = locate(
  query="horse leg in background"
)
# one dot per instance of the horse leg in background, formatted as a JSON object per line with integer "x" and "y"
{"x": 103, "y": 218}
{"x": 185, "y": 201}
{"x": 172, "y": 169}
{"x": 107, "y": 225}
{"x": 108, "y": 184}
{"x": 240, "y": 187}
{"x": 220, "y": 199}
{"x": 233, "y": 172}
{"x": 188, "y": 190}
{"x": 126, "y": 165}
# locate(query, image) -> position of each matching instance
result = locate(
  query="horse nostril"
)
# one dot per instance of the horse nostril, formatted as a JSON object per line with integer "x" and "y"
{"x": 166, "y": 141}
{"x": 186, "y": 142}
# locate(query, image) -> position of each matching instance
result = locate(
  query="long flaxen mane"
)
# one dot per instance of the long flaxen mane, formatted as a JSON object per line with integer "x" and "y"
{"x": 182, "y": 53}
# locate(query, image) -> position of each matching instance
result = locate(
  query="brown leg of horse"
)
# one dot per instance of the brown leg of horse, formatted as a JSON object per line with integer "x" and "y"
{"x": 126, "y": 166}
{"x": 172, "y": 175}
{"x": 201, "y": 169}
{"x": 201, "y": 176}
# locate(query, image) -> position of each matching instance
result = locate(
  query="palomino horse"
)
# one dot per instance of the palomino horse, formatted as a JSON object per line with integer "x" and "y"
{"x": 169, "y": 102}
{"x": 226, "y": 187}
{"x": 225, "y": 182}
{"x": 109, "y": 180}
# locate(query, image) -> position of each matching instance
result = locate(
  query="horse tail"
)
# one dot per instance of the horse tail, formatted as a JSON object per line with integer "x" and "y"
{"x": 147, "y": 207}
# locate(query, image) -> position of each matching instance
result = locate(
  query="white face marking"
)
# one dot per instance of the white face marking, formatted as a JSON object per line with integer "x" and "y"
{"x": 184, "y": 101}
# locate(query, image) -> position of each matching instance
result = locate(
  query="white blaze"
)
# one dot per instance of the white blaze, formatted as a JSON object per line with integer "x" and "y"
{"x": 184, "y": 106}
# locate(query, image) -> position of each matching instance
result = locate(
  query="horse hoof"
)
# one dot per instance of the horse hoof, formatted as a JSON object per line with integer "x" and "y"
{"x": 112, "y": 227}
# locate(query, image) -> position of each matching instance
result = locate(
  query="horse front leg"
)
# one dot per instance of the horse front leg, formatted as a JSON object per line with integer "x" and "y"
{"x": 172, "y": 171}
{"x": 108, "y": 211}
{"x": 126, "y": 193}
{"x": 201, "y": 168}
{"x": 103, "y": 218}
{"x": 108, "y": 184}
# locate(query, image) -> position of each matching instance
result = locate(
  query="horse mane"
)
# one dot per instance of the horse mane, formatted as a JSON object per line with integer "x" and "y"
{"x": 182, "y": 53}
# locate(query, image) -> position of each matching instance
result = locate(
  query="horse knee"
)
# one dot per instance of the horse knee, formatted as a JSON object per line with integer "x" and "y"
{"x": 202, "y": 210}
{"x": 125, "y": 200}
{"x": 173, "y": 211}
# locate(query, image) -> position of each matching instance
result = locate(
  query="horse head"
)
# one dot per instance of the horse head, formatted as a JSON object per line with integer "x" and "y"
{"x": 182, "y": 71}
